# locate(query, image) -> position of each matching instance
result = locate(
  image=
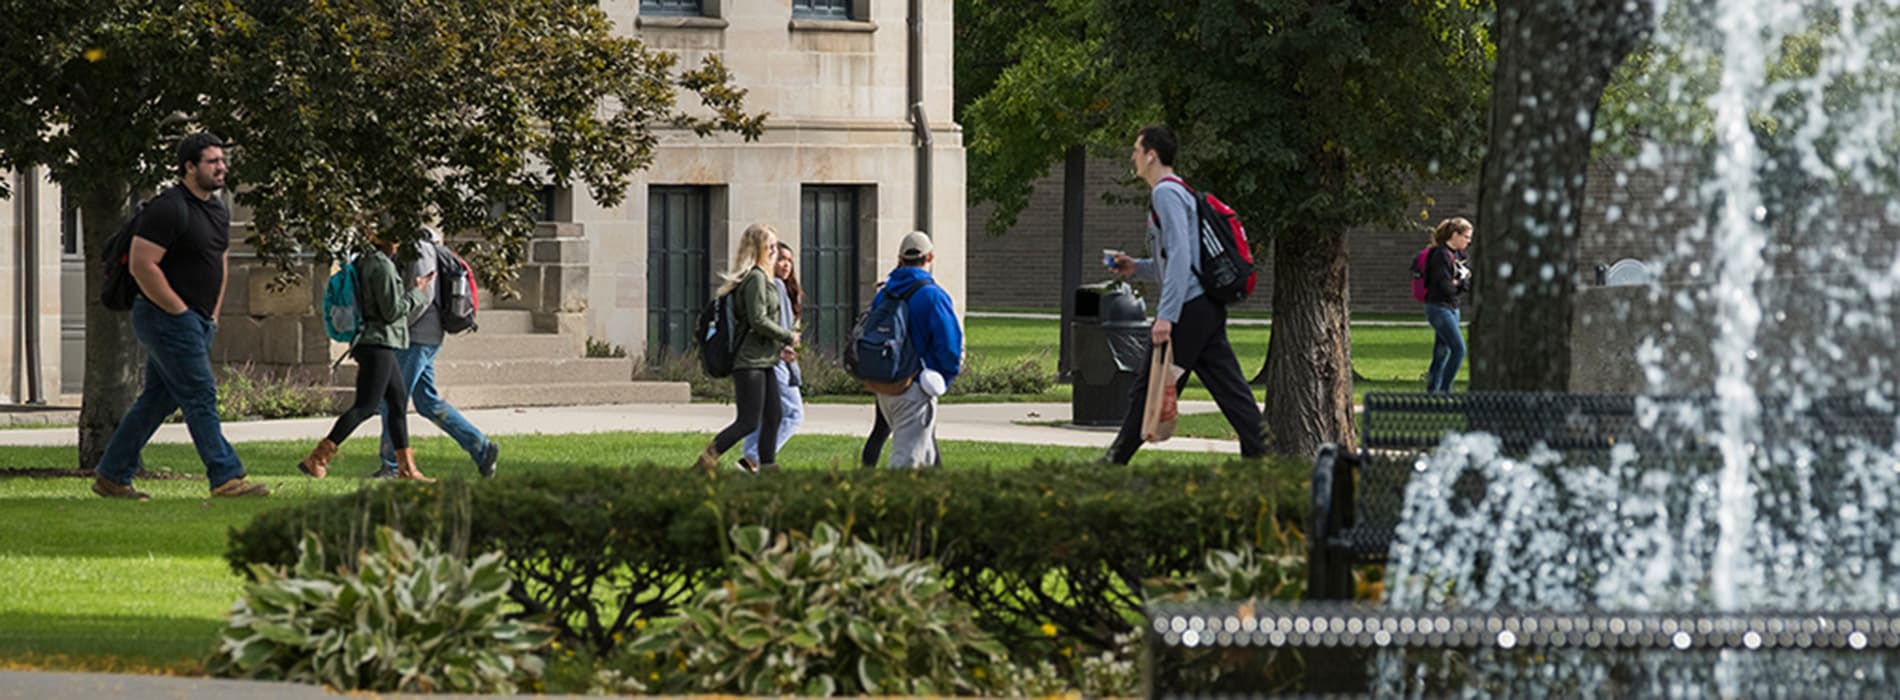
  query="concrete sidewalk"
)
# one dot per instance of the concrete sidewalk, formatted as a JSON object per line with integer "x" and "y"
{"x": 986, "y": 422}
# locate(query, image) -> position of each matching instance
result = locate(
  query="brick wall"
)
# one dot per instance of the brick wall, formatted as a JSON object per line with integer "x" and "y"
{"x": 1629, "y": 212}
{"x": 1023, "y": 268}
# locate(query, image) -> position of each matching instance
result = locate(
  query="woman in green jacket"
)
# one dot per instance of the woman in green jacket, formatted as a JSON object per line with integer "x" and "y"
{"x": 385, "y": 303}
{"x": 764, "y": 343}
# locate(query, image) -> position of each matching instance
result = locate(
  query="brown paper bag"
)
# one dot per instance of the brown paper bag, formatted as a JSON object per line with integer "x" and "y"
{"x": 1163, "y": 405}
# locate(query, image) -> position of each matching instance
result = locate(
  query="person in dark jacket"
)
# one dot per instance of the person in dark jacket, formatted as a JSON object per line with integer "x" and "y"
{"x": 1446, "y": 279}
{"x": 385, "y": 302}
{"x": 765, "y": 343}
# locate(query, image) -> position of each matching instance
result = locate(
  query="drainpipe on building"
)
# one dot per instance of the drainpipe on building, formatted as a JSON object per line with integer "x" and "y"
{"x": 920, "y": 124}
{"x": 30, "y": 274}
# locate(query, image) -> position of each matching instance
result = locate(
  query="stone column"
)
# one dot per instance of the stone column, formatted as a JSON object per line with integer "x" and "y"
{"x": 553, "y": 282}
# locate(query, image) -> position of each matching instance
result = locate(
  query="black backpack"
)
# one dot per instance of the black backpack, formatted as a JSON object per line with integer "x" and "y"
{"x": 719, "y": 334}
{"x": 116, "y": 264}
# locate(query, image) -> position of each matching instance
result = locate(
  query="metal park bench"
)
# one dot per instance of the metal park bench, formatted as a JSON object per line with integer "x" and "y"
{"x": 1358, "y": 497}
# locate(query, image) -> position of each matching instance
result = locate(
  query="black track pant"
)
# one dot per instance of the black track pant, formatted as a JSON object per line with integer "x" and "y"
{"x": 1200, "y": 346}
{"x": 756, "y": 393}
{"x": 377, "y": 380}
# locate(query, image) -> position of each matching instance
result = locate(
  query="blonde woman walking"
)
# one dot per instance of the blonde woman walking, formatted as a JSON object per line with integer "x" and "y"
{"x": 766, "y": 342}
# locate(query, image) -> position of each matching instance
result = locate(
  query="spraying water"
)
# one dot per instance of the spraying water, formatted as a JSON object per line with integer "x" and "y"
{"x": 1775, "y": 306}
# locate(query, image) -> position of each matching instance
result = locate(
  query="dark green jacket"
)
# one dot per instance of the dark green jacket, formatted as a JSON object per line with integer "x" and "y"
{"x": 385, "y": 301}
{"x": 757, "y": 302}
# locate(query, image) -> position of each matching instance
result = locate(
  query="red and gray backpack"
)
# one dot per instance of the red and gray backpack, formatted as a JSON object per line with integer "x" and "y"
{"x": 1226, "y": 269}
{"x": 456, "y": 296}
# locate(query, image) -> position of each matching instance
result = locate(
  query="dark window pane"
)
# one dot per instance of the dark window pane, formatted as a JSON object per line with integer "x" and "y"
{"x": 688, "y": 8}
{"x": 821, "y": 9}
{"x": 828, "y": 266}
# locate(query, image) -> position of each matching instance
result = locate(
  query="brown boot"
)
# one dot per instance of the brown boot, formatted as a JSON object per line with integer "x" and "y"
{"x": 406, "y": 466}
{"x": 708, "y": 461}
{"x": 239, "y": 488}
{"x": 317, "y": 465}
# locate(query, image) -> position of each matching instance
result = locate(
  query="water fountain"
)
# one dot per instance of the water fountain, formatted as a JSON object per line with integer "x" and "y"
{"x": 1760, "y": 497}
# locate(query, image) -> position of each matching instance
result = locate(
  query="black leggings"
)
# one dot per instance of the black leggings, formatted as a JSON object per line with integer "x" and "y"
{"x": 756, "y": 393}
{"x": 377, "y": 377}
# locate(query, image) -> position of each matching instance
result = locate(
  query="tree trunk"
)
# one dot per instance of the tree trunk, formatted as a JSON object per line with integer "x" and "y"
{"x": 1309, "y": 366}
{"x": 112, "y": 353}
{"x": 1554, "y": 59}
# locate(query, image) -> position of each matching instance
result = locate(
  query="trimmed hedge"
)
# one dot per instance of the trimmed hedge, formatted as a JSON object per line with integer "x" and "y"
{"x": 596, "y": 549}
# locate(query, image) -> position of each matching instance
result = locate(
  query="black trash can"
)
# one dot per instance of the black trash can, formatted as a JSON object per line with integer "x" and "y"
{"x": 1108, "y": 342}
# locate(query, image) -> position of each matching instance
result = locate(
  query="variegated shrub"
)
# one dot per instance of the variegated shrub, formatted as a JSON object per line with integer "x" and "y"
{"x": 406, "y": 619}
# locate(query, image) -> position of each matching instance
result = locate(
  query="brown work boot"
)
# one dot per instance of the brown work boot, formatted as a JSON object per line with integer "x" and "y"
{"x": 239, "y": 488}
{"x": 708, "y": 461}
{"x": 317, "y": 465}
{"x": 107, "y": 488}
{"x": 406, "y": 466}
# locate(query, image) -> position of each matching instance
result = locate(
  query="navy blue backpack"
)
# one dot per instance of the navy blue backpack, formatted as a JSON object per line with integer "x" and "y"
{"x": 881, "y": 355}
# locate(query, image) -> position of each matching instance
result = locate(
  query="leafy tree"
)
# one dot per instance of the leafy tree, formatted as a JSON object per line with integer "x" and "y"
{"x": 1312, "y": 118}
{"x": 338, "y": 111}
{"x": 1030, "y": 85}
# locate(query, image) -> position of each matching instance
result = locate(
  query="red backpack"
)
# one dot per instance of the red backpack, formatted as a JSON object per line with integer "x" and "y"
{"x": 1226, "y": 270}
{"x": 1418, "y": 274}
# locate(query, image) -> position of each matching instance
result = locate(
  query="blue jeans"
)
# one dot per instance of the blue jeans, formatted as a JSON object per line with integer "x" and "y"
{"x": 792, "y": 417}
{"x": 177, "y": 376}
{"x": 417, "y": 365}
{"x": 1448, "y": 348}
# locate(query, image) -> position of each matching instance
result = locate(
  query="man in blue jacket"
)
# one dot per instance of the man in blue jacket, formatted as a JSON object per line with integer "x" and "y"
{"x": 936, "y": 338}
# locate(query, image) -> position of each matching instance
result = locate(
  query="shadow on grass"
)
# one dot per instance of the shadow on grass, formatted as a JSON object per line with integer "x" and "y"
{"x": 107, "y": 643}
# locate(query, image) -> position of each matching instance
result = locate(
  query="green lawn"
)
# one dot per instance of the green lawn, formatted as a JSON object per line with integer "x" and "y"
{"x": 117, "y": 585}
{"x": 1390, "y": 358}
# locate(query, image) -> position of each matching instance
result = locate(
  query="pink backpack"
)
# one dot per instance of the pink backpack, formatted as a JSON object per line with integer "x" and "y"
{"x": 1418, "y": 274}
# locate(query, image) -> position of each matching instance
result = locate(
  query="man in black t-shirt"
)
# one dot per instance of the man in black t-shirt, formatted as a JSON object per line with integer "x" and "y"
{"x": 180, "y": 252}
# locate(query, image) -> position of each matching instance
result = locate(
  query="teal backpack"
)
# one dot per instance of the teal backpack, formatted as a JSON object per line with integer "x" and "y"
{"x": 342, "y": 317}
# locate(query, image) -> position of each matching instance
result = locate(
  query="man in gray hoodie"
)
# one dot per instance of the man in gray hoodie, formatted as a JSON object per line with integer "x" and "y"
{"x": 1195, "y": 324}
{"x": 417, "y": 364}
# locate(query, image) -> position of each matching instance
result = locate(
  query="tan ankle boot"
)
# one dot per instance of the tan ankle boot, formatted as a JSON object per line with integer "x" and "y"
{"x": 317, "y": 465}
{"x": 406, "y": 466}
{"x": 708, "y": 459}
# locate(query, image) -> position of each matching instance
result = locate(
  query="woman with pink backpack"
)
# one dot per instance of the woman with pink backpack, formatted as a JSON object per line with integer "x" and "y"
{"x": 1439, "y": 277}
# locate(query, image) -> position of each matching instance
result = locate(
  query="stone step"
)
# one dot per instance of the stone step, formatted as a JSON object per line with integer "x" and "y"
{"x": 503, "y": 321}
{"x": 512, "y": 372}
{"x": 483, "y": 345}
{"x": 490, "y": 396}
